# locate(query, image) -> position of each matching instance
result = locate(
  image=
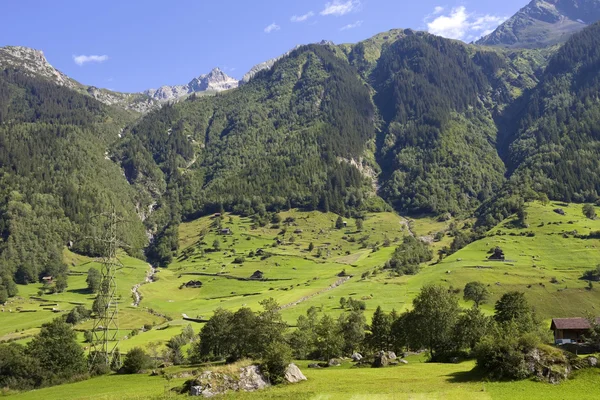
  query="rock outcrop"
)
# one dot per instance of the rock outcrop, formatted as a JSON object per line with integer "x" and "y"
{"x": 215, "y": 81}
{"x": 293, "y": 374}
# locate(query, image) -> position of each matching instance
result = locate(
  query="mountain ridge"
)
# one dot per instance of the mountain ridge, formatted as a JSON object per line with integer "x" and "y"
{"x": 544, "y": 23}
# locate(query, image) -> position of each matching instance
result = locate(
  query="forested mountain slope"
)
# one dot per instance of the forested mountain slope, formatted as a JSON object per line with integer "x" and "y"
{"x": 54, "y": 175}
{"x": 557, "y": 142}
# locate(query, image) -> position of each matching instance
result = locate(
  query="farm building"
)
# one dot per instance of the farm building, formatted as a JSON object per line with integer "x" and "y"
{"x": 226, "y": 231}
{"x": 570, "y": 330}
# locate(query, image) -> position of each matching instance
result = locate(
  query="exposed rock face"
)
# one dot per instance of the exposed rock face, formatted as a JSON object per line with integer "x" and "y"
{"x": 215, "y": 81}
{"x": 33, "y": 63}
{"x": 543, "y": 23}
{"x": 293, "y": 374}
{"x": 211, "y": 383}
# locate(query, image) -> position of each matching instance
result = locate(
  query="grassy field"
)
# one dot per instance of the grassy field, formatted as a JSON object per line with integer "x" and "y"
{"x": 416, "y": 380}
{"x": 544, "y": 260}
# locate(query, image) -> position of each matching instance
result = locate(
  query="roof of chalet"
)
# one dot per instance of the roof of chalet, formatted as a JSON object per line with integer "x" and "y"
{"x": 571, "y": 323}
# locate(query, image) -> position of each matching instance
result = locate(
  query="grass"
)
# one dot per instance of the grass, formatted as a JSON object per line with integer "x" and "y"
{"x": 544, "y": 252}
{"x": 416, "y": 380}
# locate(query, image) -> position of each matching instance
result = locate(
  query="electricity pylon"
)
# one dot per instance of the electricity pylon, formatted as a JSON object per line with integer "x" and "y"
{"x": 104, "y": 348}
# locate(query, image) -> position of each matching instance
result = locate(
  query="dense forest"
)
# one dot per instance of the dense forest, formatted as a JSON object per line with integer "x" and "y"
{"x": 404, "y": 120}
{"x": 54, "y": 178}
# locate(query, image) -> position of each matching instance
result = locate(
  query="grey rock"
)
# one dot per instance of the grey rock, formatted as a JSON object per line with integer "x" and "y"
{"x": 402, "y": 360}
{"x": 215, "y": 81}
{"x": 592, "y": 361}
{"x": 356, "y": 357}
{"x": 334, "y": 363}
{"x": 293, "y": 374}
{"x": 391, "y": 355}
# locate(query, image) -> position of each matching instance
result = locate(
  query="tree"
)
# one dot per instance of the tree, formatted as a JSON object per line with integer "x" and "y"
{"x": 434, "y": 315}
{"x": 93, "y": 280}
{"x": 328, "y": 338}
{"x": 471, "y": 327}
{"x": 589, "y": 211}
{"x": 135, "y": 361}
{"x": 339, "y": 222}
{"x": 60, "y": 283}
{"x": 359, "y": 224}
{"x": 3, "y": 295}
{"x": 352, "y": 325}
{"x": 311, "y": 247}
{"x": 513, "y": 307}
{"x": 214, "y": 336}
{"x": 276, "y": 358}
{"x": 380, "y": 330}
{"x": 476, "y": 292}
{"x": 303, "y": 339}
{"x": 270, "y": 325}
{"x": 18, "y": 370}
{"x": 56, "y": 349}
{"x": 217, "y": 245}
{"x": 78, "y": 314}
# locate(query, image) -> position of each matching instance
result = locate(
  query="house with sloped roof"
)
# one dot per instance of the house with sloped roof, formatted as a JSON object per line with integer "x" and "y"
{"x": 571, "y": 330}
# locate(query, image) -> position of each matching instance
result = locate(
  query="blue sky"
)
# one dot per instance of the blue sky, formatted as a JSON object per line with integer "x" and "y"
{"x": 131, "y": 45}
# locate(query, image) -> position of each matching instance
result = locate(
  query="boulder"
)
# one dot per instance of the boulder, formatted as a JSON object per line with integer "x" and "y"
{"x": 314, "y": 365}
{"x": 196, "y": 391}
{"x": 251, "y": 379}
{"x": 391, "y": 355}
{"x": 402, "y": 360}
{"x": 334, "y": 363}
{"x": 293, "y": 374}
{"x": 592, "y": 361}
{"x": 356, "y": 357}
{"x": 381, "y": 360}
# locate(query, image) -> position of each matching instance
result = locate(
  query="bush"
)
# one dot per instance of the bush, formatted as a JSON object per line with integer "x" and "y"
{"x": 276, "y": 359}
{"x": 135, "y": 361}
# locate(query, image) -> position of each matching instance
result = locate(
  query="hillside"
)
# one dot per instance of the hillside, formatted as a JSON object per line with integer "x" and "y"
{"x": 55, "y": 176}
{"x": 543, "y": 23}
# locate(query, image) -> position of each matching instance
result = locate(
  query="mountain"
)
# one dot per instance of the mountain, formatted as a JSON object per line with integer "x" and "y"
{"x": 56, "y": 174}
{"x": 33, "y": 63}
{"x": 215, "y": 81}
{"x": 543, "y": 23}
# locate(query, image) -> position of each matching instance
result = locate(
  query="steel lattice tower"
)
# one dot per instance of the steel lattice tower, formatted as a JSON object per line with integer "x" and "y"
{"x": 105, "y": 333}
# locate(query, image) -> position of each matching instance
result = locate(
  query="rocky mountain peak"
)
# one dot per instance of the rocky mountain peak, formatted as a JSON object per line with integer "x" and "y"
{"x": 215, "y": 81}
{"x": 543, "y": 23}
{"x": 33, "y": 62}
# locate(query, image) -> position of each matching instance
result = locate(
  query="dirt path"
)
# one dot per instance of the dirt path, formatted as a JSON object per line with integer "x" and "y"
{"x": 137, "y": 297}
{"x": 337, "y": 283}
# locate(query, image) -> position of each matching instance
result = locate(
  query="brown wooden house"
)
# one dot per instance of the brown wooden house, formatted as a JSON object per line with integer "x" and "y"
{"x": 570, "y": 330}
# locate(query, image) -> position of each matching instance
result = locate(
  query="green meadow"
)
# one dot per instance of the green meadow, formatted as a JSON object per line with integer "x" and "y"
{"x": 545, "y": 260}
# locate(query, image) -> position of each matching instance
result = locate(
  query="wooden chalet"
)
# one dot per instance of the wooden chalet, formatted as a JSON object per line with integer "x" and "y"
{"x": 570, "y": 330}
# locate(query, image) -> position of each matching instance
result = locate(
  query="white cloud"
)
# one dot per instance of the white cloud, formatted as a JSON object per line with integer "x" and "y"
{"x": 438, "y": 10}
{"x": 302, "y": 18}
{"x": 339, "y": 7}
{"x": 82, "y": 59}
{"x": 351, "y": 26}
{"x": 272, "y": 28}
{"x": 462, "y": 25}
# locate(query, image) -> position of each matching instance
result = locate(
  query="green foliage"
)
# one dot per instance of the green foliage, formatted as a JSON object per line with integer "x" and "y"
{"x": 409, "y": 255}
{"x": 592, "y": 274}
{"x": 93, "y": 280}
{"x": 54, "y": 176}
{"x": 339, "y": 222}
{"x": 589, "y": 211}
{"x": 135, "y": 361}
{"x": 438, "y": 153}
{"x": 56, "y": 350}
{"x": 434, "y": 315}
{"x": 78, "y": 314}
{"x": 276, "y": 358}
{"x": 512, "y": 307}
{"x": 476, "y": 292}
{"x": 379, "y": 338}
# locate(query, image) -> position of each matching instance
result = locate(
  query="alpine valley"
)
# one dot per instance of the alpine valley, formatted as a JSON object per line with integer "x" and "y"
{"x": 375, "y": 172}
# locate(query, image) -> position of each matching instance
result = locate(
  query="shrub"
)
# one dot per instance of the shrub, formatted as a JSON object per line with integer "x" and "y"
{"x": 135, "y": 361}
{"x": 276, "y": 359}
